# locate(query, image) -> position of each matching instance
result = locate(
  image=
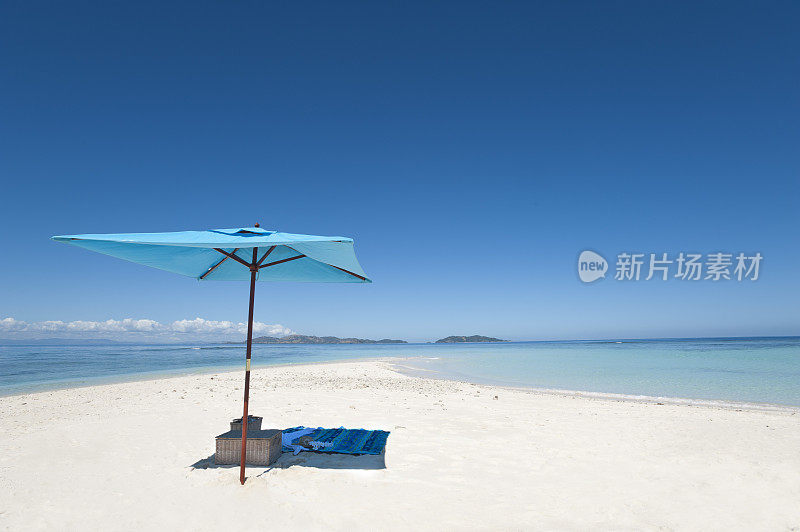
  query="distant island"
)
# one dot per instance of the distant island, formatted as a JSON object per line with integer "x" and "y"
{"x": 468, "y": 339}
{"x": 304, "y": 339}
{"x": 308, "y": 339}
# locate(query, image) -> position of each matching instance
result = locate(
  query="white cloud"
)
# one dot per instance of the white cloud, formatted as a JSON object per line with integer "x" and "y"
{"x": 228, "y": 327}
{"x": 141, "y": 329}
{"x": 266, "y": 329}
{"x": 201, "y": 325}
{"x": 10, "y": 324}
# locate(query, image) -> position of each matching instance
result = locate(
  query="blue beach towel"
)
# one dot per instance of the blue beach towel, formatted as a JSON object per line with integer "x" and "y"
{"x": 341, "y": 440}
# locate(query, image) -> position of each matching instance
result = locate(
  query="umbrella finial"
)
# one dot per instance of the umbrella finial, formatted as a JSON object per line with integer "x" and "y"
{"x": 257, "y": 224}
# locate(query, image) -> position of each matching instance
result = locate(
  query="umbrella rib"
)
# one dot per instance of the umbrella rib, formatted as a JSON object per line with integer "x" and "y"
{"x": 351, "y": 273}
{"x": 280, "y": 261}
{"x": 214, "y": 267}
{"x": 234, "y": 257}
{"x": 270, "y": 250}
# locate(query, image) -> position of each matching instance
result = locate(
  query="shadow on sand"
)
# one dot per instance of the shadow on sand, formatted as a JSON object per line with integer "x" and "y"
{"x": 308, "y": 459}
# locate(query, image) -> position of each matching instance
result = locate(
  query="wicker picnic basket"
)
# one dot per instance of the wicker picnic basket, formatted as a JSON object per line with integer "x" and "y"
{"x": 263, "y": 447}
{"x": 253, "y": 423}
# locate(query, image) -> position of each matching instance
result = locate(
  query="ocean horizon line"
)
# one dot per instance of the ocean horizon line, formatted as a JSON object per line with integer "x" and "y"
{"x": 235, "y": 343}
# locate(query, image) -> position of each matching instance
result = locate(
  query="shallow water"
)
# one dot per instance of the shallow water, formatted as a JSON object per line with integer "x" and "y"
{"x": 757, "y": 370}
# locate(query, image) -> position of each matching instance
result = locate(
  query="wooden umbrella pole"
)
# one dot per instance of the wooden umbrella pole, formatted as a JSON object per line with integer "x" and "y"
{"x": 253, "y": 273}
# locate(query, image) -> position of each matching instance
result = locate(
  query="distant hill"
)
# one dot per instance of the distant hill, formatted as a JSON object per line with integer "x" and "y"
{"x": 468, "y": 339}
{"x": 304, "y": 339}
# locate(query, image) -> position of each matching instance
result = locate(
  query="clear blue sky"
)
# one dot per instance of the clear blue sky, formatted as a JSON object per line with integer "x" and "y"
{"x": 471, "y": 149}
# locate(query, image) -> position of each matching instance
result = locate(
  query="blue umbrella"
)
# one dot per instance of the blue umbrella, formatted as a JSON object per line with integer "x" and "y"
{"x": 235, "y": 255}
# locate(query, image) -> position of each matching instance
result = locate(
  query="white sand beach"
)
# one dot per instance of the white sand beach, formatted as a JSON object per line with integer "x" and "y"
{"x": 459, "y": 457}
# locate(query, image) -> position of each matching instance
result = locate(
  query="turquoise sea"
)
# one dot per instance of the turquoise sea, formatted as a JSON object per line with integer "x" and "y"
{"x": 752, "y": 370}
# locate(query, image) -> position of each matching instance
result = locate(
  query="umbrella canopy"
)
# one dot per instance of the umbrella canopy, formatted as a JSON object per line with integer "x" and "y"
{"x": 238, "y": 254}
{"x": 226, "y": 254}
